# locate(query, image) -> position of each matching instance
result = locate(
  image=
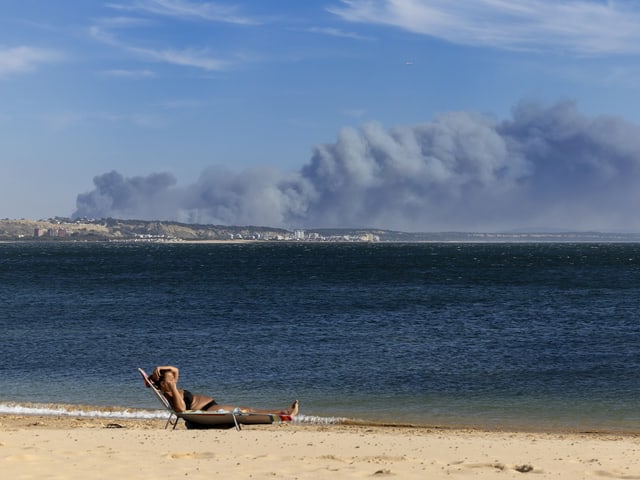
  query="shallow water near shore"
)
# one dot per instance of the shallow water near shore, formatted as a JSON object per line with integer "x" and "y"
{"x": 521, "y": 335}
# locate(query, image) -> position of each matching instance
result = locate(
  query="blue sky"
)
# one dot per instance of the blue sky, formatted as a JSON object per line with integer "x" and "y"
{"x": 405, "y": 114}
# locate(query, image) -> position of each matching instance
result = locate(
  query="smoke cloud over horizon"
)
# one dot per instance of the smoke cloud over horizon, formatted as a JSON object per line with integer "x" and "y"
{"x": 547, "y": 167}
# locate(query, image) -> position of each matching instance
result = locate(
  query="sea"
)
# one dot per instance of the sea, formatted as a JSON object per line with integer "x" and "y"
{"x": 539, "y": 336}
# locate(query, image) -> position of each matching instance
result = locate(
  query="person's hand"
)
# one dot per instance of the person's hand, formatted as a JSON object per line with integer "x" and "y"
{"x": 170, "y": 379}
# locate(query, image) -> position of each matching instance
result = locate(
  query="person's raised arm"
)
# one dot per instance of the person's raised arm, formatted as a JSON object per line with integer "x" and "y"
{"x": 157, "y": 372}
{"x": 176, "y": 399}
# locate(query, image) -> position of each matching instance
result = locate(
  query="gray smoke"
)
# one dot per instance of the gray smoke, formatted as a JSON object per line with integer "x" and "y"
{"x": 546, "y": 167}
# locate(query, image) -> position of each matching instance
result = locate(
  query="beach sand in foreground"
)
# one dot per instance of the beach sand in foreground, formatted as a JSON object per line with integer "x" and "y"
{"x": 46, "y": 447}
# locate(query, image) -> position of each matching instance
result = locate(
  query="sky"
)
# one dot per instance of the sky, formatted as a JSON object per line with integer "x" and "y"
{"x": 413, "y": 115}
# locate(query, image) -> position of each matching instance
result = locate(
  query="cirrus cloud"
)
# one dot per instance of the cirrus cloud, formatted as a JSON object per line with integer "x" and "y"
{"x": 575, "y": 26}
{"x": 206, "y": 11}
{"x": 25, "y": 59}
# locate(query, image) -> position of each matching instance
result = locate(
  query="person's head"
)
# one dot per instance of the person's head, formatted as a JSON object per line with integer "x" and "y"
{"x": 160, "y": 383}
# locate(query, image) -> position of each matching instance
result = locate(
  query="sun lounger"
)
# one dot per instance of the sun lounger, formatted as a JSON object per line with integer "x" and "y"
{"x": 195, "y": 419}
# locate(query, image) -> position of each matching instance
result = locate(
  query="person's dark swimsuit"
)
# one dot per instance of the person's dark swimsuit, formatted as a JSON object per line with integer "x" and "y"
{"x": 208, "y": 405}
{"x": 188, "y": 400}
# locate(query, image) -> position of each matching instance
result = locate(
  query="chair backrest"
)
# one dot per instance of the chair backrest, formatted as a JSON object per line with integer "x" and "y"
{"x": 158, "y": 393}
{"x": 148, "y": 383}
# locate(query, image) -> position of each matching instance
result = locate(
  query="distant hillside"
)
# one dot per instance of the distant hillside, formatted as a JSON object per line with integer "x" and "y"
{"x": 60, "y": 229}
{"x": 63, "y": 229}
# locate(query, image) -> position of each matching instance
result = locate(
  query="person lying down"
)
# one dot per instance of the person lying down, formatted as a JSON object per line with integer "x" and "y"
{"x": 165, "y": 379}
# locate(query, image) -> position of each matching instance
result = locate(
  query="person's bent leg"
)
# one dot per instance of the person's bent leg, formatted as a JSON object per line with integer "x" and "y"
{"x": 292, "y": 410}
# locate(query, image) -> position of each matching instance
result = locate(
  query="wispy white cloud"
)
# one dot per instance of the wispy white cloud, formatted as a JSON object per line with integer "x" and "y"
{"x": 186, "y": 58}
{"x": 133, "y": 74}
{"x": 334, "y": 32}
{"x": 104, "y": 30}
{"x": 207, "y": 11}
{"x": 575, "y": 26}
{"x": 122, "y": 22}
{"x": 197, "y": 58}
{"x": 69, "y": 119}
{"x": 24, "y": 59}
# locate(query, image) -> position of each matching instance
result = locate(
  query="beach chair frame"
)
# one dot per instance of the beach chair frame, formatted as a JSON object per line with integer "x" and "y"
{"x": 208, "y": 419}
{"x": 160, "y": 396}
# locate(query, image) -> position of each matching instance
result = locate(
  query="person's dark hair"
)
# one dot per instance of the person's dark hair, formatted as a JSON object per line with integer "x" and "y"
{"x": 156, "y": 383}
{"x": 160, "y": 378}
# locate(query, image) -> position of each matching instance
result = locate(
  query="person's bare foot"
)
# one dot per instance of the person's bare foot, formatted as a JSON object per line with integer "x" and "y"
{"x": 293, "y": 410}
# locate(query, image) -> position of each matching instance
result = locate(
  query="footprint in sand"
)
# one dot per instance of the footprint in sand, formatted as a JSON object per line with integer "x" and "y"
{"x": 21, "y": 457}
{"x": 524, "y": 468}
{"x": 604, "y": 473}
{"x": 191, "y": 455}
{"x": 383, "y": 472}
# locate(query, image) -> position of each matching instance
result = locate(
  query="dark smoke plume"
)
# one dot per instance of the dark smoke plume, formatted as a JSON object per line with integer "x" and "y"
{"x": 546, "y": 167}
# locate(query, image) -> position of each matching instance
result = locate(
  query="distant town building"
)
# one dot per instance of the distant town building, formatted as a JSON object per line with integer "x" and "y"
{"x": 49, "y": 232}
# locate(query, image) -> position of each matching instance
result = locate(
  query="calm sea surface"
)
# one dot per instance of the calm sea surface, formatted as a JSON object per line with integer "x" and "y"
{"x": 523, "y": 335}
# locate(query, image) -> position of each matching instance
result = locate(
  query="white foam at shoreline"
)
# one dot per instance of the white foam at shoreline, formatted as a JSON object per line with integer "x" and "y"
{"x": 89, "y": 412}
{"x": 310, "y": 419}
{"x": 16, "y": 409}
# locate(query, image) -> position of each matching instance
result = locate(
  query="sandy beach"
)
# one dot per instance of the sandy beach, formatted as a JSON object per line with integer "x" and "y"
{"x": 46, "y": 447}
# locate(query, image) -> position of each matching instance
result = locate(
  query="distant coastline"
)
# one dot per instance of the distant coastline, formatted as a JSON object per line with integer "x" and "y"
{"x": 114, "y": 230}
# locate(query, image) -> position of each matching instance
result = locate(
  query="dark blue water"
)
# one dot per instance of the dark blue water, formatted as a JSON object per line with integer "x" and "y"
{"x": 540, "y": 335}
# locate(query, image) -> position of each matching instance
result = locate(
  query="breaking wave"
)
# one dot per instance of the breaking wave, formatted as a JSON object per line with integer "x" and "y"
{"x": 93, "y": 411}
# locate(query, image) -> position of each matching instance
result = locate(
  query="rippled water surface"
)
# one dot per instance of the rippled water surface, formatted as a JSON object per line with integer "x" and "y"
{"x": 489, "y": 334}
